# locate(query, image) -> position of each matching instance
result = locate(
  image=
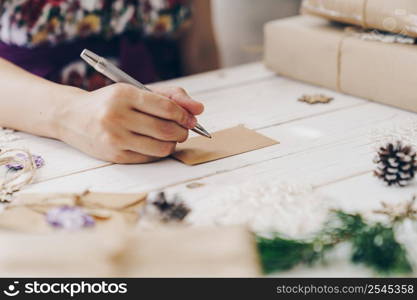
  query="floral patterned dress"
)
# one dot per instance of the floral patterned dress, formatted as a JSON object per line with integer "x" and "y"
{"x": 46, "y": 37}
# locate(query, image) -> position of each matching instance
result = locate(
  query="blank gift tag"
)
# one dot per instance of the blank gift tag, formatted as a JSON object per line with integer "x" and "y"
{"x": 224, "y": 143}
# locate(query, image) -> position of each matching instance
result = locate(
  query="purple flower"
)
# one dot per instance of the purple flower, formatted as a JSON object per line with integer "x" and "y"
{"x": 69, "y": 218}
{"x": 16, "y": 166}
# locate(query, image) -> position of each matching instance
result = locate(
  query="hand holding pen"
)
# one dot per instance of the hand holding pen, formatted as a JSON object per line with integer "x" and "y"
{"x": 121, "y": 123}
{"x": 112, "y": 72}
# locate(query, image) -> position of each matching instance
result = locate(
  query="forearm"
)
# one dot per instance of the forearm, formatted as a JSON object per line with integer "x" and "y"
{"x": 30, "y": 103}
{"x": 119, "y": 123}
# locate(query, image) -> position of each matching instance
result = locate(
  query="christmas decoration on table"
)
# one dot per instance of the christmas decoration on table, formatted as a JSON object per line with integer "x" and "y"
{"x": 374, "y": 245}
{"x": 25, "y": 163}
{"x": 396, "y": 163}
{"x": 18, "y": 165}
{"x": 263, "y": 205}
{"x": 314, "y": 99}
{"x": 401, "y": 211}
{"x": 69, "y": 218}
{"x": 42, "y": 213}
{"x": 165, "y": 209}
{"x": 404, "y": 130}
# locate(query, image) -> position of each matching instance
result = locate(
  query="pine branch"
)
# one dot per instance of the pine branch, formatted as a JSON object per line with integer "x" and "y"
{"x": 372, "y": 245}
{"x": 377, "y": 247}
{"x": 280, "y": 254}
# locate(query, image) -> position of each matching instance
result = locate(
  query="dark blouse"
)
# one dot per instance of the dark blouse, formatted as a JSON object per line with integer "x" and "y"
{"x": 46, "y": 37}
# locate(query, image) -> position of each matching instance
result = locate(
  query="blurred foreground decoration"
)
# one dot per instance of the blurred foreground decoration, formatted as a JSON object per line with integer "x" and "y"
{"x": 374, "y": 245}
{"x": 115, "y": 246}
{"x": 164, "y": 252}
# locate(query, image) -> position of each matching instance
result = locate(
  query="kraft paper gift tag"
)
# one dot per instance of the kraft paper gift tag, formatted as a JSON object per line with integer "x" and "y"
{"x": 224, "y": 143}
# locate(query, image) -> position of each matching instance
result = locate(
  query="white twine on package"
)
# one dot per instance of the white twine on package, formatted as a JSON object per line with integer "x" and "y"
{"x": 377, "y": 36}
{"x": 275, "y": 207}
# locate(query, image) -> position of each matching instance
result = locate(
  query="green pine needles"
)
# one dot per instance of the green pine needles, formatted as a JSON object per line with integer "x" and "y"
{"x": 373, "y": 245}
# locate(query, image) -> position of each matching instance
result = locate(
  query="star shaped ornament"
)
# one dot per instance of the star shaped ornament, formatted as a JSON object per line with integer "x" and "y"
{"x": 313, "y": 99}
{"x": 400, "y": 211}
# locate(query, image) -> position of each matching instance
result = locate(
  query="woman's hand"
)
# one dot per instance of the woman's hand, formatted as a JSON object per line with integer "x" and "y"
{"x": 123, "y": 124}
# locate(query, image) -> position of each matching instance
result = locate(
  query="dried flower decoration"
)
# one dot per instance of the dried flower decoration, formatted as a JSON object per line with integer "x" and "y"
{"x": 401, "y": 211}
{"x": 13, "y": 183}
{"x": 396, "y": 164}
{"x": 164, "y": 209}
{"x": 69, "y": 218}
{"x": 38, "y": 162}
{"x": 313, "y": 99}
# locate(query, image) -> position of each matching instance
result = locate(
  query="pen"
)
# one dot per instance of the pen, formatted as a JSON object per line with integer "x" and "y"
{"x": 114, "y": 73}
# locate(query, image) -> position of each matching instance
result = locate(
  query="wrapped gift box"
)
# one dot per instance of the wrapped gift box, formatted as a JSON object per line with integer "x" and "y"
{"x": 162, "y": 252}
{"x": 397, "y": 16}
{"x": 313, "y": 50}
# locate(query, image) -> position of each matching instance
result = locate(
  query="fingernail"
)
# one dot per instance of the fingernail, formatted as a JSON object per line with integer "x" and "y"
{"x": 192, "y": 121}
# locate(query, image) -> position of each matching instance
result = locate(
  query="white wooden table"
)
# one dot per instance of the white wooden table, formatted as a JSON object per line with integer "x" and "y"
{"x": 326, "y": 145}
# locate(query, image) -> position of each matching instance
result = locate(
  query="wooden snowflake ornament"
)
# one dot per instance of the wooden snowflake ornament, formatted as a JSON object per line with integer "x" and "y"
{"x": 313, "y": 99}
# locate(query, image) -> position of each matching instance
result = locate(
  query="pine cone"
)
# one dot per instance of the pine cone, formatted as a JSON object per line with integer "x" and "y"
{"x": 174, "y": 210}
{"x": 396, "y": 164}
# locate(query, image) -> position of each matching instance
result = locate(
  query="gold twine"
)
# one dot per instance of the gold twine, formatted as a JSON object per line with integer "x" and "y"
{"x": 11, "y": 184}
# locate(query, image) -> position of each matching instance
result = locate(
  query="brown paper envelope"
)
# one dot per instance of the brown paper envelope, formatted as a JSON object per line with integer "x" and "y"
{"x": 33, "y": 220}
{"x": 114, "y": 201}
{"x": 91, "y": 200}
{"x": 27, "y": 212}
{"x": 224, "y": 143}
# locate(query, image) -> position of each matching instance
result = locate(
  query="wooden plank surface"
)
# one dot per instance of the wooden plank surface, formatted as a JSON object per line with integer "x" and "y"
{"x": 329, "y": 143}
{"x": 326, "y": 145}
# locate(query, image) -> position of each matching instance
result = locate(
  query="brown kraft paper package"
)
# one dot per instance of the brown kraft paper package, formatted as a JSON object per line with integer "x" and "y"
{"x": 397, "y": 16}
{"x": 313, "y": 50}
